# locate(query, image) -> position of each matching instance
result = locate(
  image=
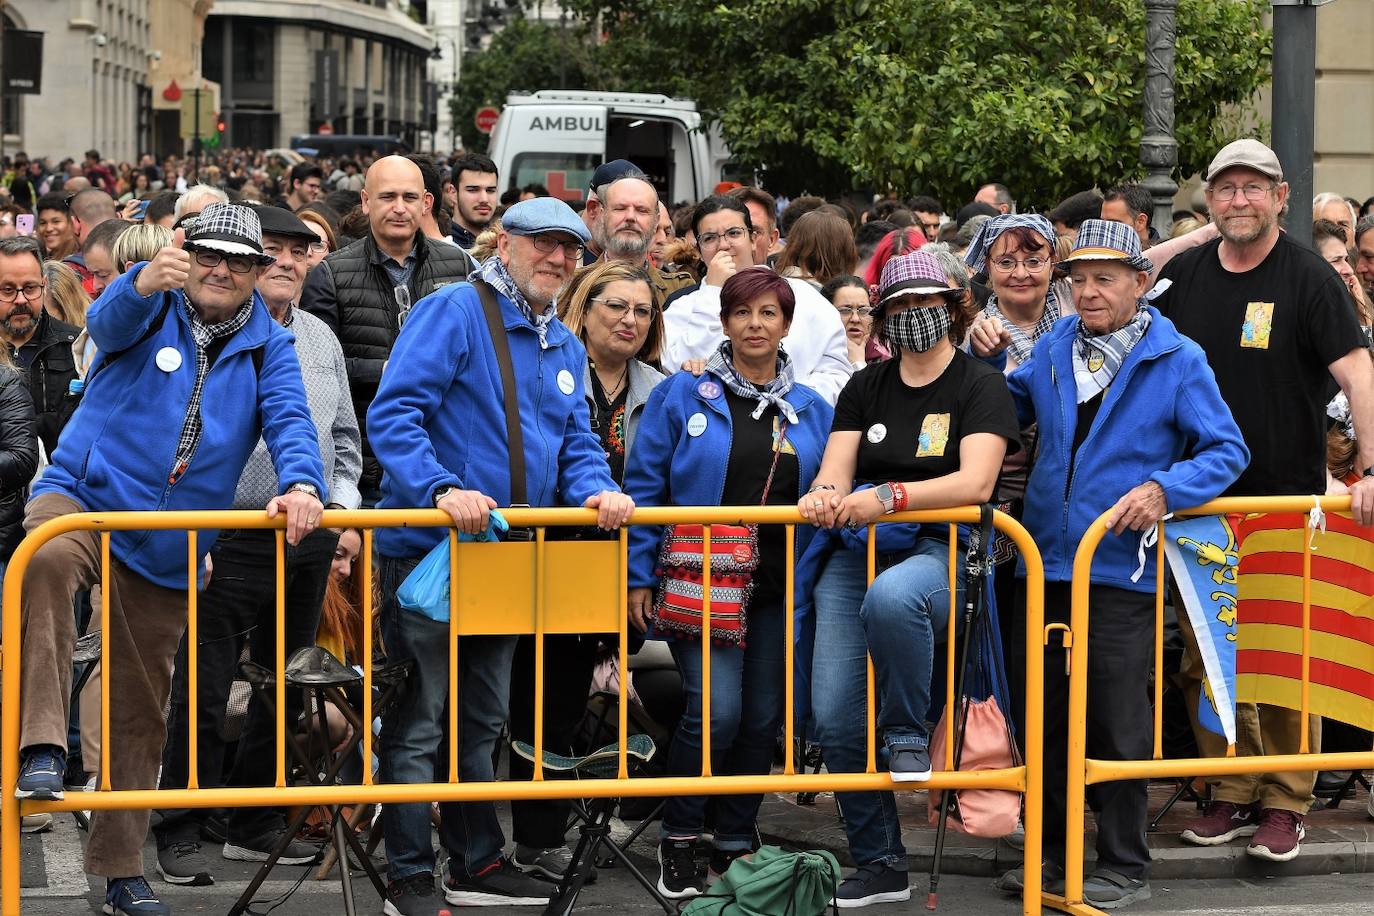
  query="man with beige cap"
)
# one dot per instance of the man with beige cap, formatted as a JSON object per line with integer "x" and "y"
{"x": 1276, "y": 323}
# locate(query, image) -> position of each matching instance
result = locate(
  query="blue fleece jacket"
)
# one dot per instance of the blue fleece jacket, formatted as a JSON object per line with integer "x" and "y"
{"x": 1162, "y": 419}
{"x": 671, "y": 467}
{"x": 117, "y": 451}
{"x": 439, "y": 418}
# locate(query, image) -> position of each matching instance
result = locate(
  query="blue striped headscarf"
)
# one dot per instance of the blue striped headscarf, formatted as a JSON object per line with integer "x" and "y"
{"x": 977, "y": 256}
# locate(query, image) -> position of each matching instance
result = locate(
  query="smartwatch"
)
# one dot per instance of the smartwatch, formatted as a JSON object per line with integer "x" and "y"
{"x": 441, "y": 492}
{"x": 887, "y": 497}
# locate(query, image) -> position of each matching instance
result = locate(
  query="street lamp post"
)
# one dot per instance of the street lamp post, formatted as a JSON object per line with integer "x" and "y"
{"x": 1158, "y": 148}
{"x": 438, "y": 54}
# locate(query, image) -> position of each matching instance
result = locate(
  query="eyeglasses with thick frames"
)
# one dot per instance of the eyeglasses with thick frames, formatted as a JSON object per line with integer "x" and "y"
{"x": 618, "y": 307}
{"x": 1252, "y": 191}
{"x": 547, "y": 243}
{"x": 237, "y": 263}
{"x": 1032, "y": 265}
{"x": 734, "y": 234}
{"x": 30, "y": 291}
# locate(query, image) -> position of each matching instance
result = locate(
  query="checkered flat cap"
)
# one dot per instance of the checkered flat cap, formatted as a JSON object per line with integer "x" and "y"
{"x": 230, "y": 229}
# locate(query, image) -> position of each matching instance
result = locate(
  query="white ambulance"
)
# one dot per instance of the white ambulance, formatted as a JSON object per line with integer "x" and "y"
{"x": 557, "y": 138}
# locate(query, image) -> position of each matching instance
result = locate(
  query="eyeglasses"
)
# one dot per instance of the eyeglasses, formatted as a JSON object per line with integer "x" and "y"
{"x": 237, "y": 263}
{"x": 1227, "y": 192}
{"x": 734, "y": 234}
{"x": 317, "y": 247}
{"x": 547, "y": 243}
{"x": 1032, "y": 265}
{"x": 618, "y": 308}
{"x": 401, "y": 292}
{"x": 30, "y": 291}
{"x": 849, "y": 311}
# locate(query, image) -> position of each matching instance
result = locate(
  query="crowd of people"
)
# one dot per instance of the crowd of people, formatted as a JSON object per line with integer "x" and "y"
{"x": 398, "y": 333}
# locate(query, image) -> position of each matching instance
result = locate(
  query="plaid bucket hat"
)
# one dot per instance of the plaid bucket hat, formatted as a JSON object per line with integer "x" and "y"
{"x": 1105, "y": 240}
{"x": 231, "y": 229}
{"x": 917, "y": 273}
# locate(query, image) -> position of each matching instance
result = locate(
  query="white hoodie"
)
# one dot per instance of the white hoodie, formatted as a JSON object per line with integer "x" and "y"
{"x": 815, "y": 342}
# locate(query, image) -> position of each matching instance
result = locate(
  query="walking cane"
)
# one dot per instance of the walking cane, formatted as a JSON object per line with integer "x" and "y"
{"x": 976, "y": 568}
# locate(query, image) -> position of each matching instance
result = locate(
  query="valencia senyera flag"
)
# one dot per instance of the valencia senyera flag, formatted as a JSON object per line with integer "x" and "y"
{"x": 1269, "y": 594}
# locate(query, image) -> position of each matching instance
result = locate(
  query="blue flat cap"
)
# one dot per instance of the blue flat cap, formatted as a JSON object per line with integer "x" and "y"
{"x": 544, "y": 214}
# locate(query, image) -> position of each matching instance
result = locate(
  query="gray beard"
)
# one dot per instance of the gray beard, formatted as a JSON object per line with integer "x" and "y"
{"x": 620, "y": 248}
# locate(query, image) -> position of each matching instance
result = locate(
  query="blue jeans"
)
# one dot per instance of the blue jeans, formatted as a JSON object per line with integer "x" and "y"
{"x": 746, "y": 713}
{"x": 898, "y": 620}
{"x": 414, "y": 745}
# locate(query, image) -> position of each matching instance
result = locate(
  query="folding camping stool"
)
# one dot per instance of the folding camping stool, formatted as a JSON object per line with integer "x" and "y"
{"x": 322, "y": 677}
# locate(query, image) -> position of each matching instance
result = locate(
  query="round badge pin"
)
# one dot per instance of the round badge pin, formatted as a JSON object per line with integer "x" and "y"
{"x": 565, "y": 382}
{"x": 877, "y": 433}
{"x": 696, "y": 424}
{"x": 168, "y": 359}
{"x": 708, "y": 390}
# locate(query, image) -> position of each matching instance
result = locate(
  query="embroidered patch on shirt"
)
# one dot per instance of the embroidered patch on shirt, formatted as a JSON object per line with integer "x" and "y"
{"x": 1259, "y": 321}
{"x": 934, "y": 436}
{"x": 787, "y": 448}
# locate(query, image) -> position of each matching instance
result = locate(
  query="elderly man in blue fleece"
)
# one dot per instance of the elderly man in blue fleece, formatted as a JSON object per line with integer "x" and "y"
{"x": 192, "y": 370}
{"x": 1130, "y": 420}
{"x": 438, "y": 426}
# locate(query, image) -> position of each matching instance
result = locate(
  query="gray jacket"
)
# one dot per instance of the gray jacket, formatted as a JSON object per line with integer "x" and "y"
{"x": 336, "y": 426}
{"x": 641, "y": 381}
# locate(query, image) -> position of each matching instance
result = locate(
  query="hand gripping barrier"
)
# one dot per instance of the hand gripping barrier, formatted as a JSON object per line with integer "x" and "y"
{"x": 534, "y": 587}
{"x": 1083, "y": 771}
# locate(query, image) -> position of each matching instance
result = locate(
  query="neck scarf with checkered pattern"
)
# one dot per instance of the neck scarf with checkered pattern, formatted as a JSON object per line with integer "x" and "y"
{"x": 493, "y": 270}
{"x": 204, "y": 334}
{"x": 1097, "y": 358}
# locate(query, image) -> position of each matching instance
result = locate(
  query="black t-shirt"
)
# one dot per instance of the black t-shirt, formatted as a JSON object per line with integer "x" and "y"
{"x": 914, "y": 433}
{"x": 1269, "y": 335}
{"x": 608, "y": 422}
{"x": 751, "y": 455}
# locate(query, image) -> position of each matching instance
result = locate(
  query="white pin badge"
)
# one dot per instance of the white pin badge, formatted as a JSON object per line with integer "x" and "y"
{"x": 565, "y": 382}
{"x": 696, "y": 424}
{"x": 168, "y": 359}
{"x": 877, "y": 433}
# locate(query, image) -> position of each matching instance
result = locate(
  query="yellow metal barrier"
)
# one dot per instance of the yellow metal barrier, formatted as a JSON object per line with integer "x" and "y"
{"x": 1083, "y": 771}
{"x": 536, "y": 587}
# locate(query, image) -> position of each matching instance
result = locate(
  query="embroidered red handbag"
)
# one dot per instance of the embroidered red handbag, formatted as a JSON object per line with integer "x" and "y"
{"x": 734, "y": 557}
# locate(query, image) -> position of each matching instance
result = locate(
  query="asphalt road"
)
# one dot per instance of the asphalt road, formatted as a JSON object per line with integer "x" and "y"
{"x": 55, "y": 886}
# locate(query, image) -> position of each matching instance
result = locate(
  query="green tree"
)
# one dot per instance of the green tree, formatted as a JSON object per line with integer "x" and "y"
{"x": 525, "y": 55}
{"x": 936, "y": 96}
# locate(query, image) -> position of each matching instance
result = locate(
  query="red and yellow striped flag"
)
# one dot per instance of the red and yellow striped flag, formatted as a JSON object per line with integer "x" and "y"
{"x": 1269, "y": 594}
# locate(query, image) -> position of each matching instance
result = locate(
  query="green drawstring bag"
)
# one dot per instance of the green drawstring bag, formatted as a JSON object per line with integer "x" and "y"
{"x": 772, "y": 882}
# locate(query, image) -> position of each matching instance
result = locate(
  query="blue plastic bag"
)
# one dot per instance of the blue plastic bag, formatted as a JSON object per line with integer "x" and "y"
{"x": 425, "y": 591}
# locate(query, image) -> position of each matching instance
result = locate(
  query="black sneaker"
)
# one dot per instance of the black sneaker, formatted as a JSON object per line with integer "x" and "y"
{"x": 40, "y": 773}
{"x": 182, "y": 862}
{"x": 215, "y": 828}
{"x": 873, "y": 883}
{"x": 680, "y": 875}
{"x": 259, "y": 849}
{"x": 499, "y": 884}
{"x": 413, "y": 895}
{"x": 132, "y": 897}
{"x": 909, "y": 764}
{"x": 720, "y": 862}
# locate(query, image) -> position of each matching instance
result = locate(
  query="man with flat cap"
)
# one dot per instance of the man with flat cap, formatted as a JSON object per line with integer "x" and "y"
{"x": 1277, "y": 325}
{"x": 1121, "y": 399}
{"x": 238, "y": 606}
{"x": 622, "y": 215}
{"x": 439, "y": 428}
{"x": 191, "y": 372}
